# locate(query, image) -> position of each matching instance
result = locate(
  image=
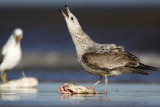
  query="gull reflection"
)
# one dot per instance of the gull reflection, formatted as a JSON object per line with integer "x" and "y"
{"x": 16, "y": 93}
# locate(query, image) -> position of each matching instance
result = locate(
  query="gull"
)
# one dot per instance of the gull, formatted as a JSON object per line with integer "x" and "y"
{"x": 10, "y": 53}
{"x": 102, "y": 59}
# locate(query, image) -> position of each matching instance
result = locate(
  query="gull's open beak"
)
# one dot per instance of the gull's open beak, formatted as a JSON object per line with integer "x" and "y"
{"x": 65, "y": 16}
{"x": 18, "y": 38}
{"x": 68, "y": 11}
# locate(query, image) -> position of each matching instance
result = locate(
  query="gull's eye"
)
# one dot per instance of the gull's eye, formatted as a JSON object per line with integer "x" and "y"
{"x": 71, "y": 18}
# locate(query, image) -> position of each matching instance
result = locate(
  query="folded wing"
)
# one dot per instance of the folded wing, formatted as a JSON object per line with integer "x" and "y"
{"x": 114, "y": 58}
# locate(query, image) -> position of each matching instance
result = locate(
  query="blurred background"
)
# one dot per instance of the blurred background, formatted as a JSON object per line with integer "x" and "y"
{"x": 48, "y": 51}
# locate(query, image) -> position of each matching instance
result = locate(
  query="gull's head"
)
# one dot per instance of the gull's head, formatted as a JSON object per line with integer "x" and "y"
{"x": 71, "y": 20}
{"x": 18, "y": 34}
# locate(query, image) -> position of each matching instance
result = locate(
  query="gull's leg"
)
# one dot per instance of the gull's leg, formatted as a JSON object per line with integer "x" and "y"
{"x": 106, "y": 82}
{"x": 4, "y": 77}
{"x": 100, "y": 79}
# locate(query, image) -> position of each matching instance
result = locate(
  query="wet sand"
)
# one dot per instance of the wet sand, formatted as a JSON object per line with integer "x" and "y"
{"x": 119, "y": 94}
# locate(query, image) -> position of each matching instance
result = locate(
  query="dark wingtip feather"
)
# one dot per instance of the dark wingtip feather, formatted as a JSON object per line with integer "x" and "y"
{"x": 147, "y": 67}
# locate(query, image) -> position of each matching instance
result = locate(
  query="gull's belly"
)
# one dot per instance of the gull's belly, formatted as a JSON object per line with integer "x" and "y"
{"x": 10, "y": 61}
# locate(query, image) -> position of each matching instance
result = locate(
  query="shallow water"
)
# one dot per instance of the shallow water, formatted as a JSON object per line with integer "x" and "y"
{"x": 46, "y": 94}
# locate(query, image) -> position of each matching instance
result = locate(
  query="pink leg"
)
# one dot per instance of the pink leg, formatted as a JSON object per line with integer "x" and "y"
{"x": 100, "y": 79}
{"x": 106, "y": 82}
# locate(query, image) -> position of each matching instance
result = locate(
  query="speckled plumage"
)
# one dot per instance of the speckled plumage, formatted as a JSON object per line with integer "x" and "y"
{"x": 101, "y": 59}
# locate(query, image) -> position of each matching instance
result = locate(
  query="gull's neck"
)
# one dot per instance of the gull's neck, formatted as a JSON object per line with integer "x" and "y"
{"x": 81, "y": 40}
{"x": 11, "y": 45}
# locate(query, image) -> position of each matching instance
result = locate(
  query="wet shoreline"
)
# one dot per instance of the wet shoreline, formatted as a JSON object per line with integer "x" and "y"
{"x": 118, "y": 95}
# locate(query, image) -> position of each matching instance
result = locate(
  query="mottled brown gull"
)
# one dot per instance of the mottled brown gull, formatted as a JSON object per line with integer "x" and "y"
{"x": 102, "y": 59}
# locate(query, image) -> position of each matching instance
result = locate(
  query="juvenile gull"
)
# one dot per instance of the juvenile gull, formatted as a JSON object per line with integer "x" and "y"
{"x": 102, "y": 59}
{"x": 10, "y": 54}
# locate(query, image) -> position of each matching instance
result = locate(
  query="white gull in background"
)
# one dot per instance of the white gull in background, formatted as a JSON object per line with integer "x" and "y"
{"x": 102, "y": 59}
{"x": 10, "y": 54}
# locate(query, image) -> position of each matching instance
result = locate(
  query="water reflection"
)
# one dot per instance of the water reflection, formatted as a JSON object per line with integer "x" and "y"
{"x": 75, "y": 96}
{"x": 119, "y": 94}
{"x": 83, "y": 97}
{"x": 16, "y": 93}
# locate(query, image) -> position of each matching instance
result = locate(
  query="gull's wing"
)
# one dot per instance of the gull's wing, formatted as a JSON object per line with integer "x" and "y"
{"x": 113, "y": 58}
{"x": 110, "y": 59}
{"x": 1, "y": 56}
